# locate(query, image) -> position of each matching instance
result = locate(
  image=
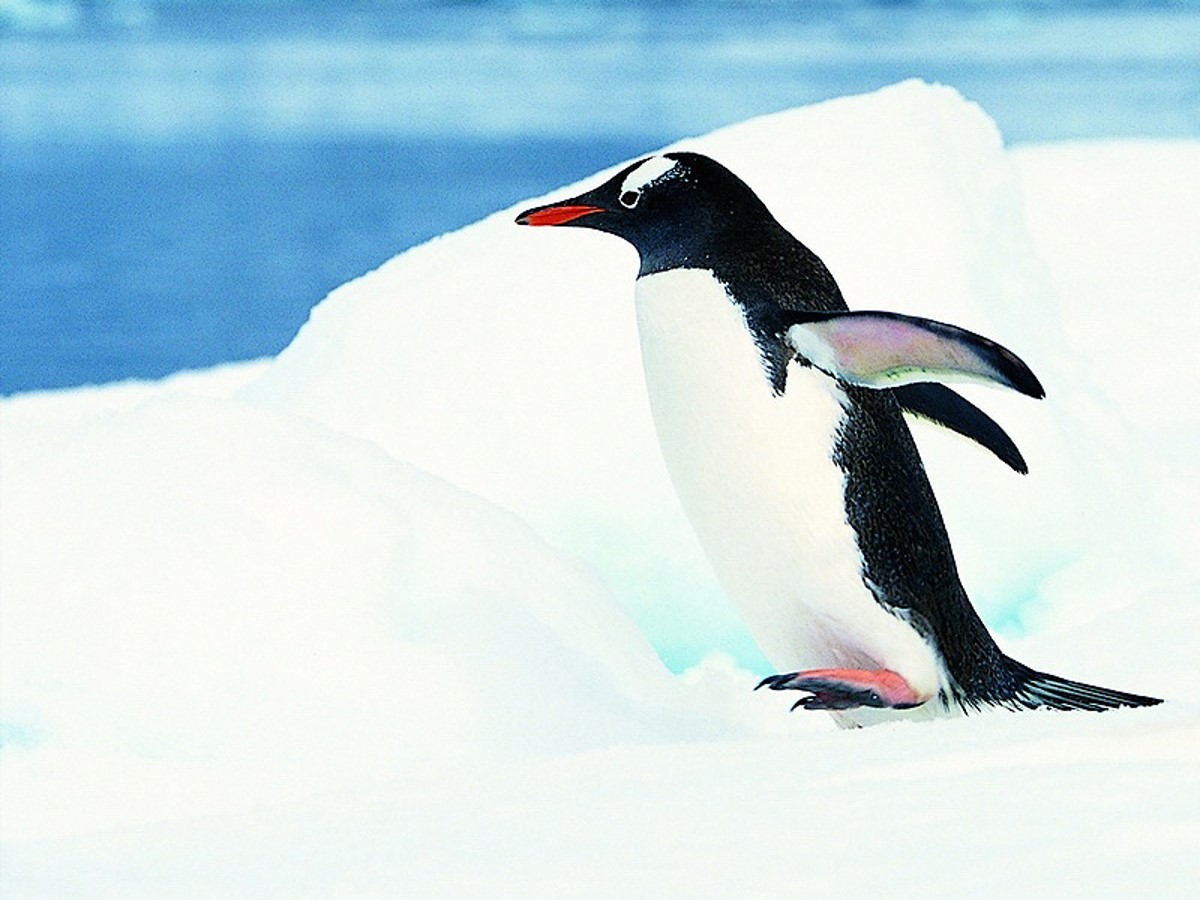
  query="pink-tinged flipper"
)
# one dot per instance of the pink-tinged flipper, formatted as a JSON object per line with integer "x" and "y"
{"x": 847, "y": 688}
{"x": 884, "y": 350}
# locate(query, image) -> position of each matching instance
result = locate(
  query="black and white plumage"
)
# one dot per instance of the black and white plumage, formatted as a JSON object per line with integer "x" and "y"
{"x": 779, "y": 414}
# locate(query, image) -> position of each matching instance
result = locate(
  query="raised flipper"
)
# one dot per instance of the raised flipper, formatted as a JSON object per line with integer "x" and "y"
{"x": 847, "y": 688}
{"x": 939, "y": 404}
{"x": 885, "y": 350}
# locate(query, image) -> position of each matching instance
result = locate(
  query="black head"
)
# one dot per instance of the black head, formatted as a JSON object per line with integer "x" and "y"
{"x": 677, "y": 209}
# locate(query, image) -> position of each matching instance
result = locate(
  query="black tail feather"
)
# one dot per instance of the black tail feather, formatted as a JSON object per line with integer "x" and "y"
{"x": 1039, "y": 690}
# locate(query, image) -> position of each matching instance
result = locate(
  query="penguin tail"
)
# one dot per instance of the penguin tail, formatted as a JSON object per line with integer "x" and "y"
{"x": 1037, "y": 690}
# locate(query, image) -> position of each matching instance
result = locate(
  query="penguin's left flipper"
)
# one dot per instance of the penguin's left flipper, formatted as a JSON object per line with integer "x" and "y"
{"x": 941, "y": 405}
{"x": 884, "y": 350}
{"x": 846, "y": 688}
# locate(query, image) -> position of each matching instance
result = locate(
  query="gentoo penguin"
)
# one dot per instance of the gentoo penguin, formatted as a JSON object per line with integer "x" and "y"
{"x": 779, "y": 414}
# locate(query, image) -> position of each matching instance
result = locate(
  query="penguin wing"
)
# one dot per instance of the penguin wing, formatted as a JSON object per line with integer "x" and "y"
{"x": 884, "y": 350}
{"x": 939, "y": 404}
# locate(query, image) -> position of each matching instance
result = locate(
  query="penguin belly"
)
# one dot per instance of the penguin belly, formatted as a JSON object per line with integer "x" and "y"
{"x": 756, "y": 476}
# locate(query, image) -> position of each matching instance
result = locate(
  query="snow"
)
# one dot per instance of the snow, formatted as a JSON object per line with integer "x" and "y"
{"x": 378, "y": 617}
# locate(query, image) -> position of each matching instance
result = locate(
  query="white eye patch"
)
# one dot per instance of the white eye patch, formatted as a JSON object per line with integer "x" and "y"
{"x": 656, "y": 168}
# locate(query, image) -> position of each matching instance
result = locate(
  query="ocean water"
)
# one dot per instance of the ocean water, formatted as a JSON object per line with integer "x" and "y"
{"x": 138, "y": 259}
{"x": 181, "y": 182}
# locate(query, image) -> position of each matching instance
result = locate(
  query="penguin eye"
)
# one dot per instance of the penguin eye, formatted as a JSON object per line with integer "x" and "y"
{"x": 629, "y": 199}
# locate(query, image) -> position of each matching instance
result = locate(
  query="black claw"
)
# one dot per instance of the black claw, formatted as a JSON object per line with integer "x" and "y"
{"x": 832, "y": 700}
{"x": 811, "y": 702}
{"x": 775, "y": 681}
{"x": 821, "y": 701}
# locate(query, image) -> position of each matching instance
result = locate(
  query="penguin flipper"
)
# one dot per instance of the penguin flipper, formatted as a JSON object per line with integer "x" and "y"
{"x": 883, "y": 350}
{"x": 939, "y": 404}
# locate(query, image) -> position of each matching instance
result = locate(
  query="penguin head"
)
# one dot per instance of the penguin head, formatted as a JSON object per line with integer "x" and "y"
{"x": 675, "y": 209}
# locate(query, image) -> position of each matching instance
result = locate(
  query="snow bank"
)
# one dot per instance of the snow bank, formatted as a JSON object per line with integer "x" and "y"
{"x": 215, "y": 585}
{"x": 1069, "y": 807}
{"x": 506, "y": 361}
{"x": 356, "y": 621}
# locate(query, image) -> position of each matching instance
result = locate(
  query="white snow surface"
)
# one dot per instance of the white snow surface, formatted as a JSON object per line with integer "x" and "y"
{"x": 378, "y": 617}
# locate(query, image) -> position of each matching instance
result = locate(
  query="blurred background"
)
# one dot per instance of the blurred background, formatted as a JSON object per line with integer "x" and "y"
{"x": 182, "y": 180}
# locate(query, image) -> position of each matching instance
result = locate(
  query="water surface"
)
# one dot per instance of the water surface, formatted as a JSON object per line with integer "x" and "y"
{"x": 180, "y": 183}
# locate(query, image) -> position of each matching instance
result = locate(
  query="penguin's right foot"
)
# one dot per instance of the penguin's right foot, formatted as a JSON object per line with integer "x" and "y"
{"x": 846, "y": 688}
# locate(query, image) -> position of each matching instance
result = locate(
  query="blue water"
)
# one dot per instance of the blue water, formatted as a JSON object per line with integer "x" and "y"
{"x": 181, "y": 182}
{"x": 139, "y": 259}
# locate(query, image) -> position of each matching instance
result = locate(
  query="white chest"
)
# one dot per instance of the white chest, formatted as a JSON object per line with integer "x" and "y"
{"x": 755, "y": 475}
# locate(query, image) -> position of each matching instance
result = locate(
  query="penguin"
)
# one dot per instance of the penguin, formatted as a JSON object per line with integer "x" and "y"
{"x": 780, "y": 415}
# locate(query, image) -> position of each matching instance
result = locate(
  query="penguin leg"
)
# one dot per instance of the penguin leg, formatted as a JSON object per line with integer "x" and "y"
{"x": 847, "y": 688}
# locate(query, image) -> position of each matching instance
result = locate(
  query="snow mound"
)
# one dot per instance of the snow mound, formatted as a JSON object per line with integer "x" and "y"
{"x": 356, "y": 621}
{"x": 505, "y": 360}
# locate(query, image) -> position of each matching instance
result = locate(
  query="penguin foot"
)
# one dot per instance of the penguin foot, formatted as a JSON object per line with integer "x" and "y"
{"x": 846, "y": 688}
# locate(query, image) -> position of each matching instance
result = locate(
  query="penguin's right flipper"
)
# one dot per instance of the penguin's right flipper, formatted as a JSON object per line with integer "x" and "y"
{"x": 846, "y": 688}
{"x": 939, "y": 404}
{"x": 885, "y": 350}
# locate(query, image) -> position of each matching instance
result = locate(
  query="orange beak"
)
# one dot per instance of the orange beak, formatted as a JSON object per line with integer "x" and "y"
{"x": 556, "y": 215}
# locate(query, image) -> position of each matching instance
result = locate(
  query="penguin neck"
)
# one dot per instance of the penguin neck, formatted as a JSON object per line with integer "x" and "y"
{"x": 756, "y": 269}
{"x": 704, "y": 240}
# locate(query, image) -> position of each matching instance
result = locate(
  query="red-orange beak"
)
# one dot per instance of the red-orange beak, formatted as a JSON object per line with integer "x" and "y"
{"x": 556, "y": 214}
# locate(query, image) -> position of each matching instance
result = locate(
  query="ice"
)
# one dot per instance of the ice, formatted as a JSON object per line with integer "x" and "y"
{"x": 378, "y": 617}
{"x": 209, "y": 583}
{"x": 517, "y": 375}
